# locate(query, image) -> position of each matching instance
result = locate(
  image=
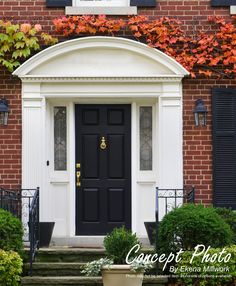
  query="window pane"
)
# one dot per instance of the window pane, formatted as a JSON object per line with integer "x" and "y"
{"x": 60, "y": 138}
{"x": 145, "y": 138}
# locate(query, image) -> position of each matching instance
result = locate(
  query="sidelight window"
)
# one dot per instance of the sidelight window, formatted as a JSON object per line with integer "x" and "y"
{"x": 60, "y": 138}
{"x": 145, "y": 140}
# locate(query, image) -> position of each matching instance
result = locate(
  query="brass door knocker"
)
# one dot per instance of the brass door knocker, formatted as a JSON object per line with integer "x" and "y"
{"x": 103, "y": 144}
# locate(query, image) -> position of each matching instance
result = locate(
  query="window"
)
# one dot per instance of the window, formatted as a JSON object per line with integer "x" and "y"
{"x": 101, "y": 3}
{"x": 233, "y": 10}
{"x": 96, "y": 7}
{"x": 60, "y": 138}
{"x": 145, "y": 140}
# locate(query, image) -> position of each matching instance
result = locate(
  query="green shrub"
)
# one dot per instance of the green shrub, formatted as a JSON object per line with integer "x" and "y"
{"x": 208, "y": 273}
{"x": 229, "y": 216}
{"x": 10, "y": 268}
{"x": 190, "y": 225}
{"x": 11, "y": 232}
{"x": 118, "y": 243}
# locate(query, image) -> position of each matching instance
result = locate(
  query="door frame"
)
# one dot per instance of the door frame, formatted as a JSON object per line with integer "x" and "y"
{"x": 136, "y": 175}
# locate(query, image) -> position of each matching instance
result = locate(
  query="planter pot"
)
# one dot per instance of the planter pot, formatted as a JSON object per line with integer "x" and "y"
{"x": 121, "y": 275}
{"x": 45, "y": 233}
{"x": 150, "y": 228}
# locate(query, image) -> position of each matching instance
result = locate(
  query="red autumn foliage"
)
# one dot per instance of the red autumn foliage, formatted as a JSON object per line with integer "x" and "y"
{"x": 210, "y": 53}
{"x": 77, "y": 25}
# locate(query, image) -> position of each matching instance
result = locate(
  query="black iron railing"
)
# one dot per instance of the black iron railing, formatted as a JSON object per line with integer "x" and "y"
{"x": 34, "y": 228}
{"x": 24, "y": 204}
{"x": 11, "y": 201}
{"x": 168, "y": 199}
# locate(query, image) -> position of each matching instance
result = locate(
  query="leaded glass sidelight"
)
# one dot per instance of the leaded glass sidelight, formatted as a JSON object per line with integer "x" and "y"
{"x": 60, "y": 142}
{"x": 145, "y": 125}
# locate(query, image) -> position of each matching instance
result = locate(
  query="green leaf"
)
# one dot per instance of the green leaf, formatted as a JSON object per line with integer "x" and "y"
{"x": 17, "y": 54}
{"x": 3, "y": 37}
{"x": 19, "y": 36}
{"x": 26, "y": 52}
{"x": 5, "y": 48}
{"x": 19, "y": 45}
{"x": 12, "y": 29}
{"x": 32, "y": 32}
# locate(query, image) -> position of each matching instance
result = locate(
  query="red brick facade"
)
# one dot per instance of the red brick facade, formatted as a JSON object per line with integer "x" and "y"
{"x": 197, "y": 140}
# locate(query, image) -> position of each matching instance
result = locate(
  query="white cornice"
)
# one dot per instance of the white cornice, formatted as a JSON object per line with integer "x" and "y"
{"x": 61, "y": 50}
{"x": 105, "y": 79}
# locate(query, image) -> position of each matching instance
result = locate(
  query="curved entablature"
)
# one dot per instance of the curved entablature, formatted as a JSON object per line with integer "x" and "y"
{"x": 100, "y": 57}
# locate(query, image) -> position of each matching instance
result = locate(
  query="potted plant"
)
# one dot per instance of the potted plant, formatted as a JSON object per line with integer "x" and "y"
{"x": 114, "y": 269}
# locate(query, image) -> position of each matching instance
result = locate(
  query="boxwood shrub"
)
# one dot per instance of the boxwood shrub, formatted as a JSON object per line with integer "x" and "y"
{"x": 10, "y": 268}
{"x": 11, "y": 232}
{"x": 190, "y": 225}
{"x": 207, "y": 273}
{"x": 118, "y": 243}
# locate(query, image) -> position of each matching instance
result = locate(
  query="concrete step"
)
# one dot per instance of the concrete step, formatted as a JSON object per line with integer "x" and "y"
{"x": 73, "y": 254}
{"x": 83, "y": 281}
{"x": 69, "y": 254}
{"x": 55, "y": 268}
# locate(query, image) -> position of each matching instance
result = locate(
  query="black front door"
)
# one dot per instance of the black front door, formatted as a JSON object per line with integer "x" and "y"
{"x": 103, "y": 168}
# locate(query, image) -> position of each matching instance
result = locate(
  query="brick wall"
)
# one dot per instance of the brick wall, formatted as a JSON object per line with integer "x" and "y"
{"x": 10, "y": 135}
{"x": 197, "y": 140}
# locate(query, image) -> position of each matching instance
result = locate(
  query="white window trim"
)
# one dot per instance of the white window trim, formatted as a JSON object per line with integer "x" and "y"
{"x": 149, "y": 175}
{"x": 58, "y": 175}
{"x": 233, "y": 10}
{"x": 91, "y": 9}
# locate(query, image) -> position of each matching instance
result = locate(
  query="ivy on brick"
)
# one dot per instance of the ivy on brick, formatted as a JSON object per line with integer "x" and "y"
{"x": 18, "y": 42}
{"x": 210, "y": 53}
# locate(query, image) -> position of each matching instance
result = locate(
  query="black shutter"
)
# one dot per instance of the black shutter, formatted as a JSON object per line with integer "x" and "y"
{"x": 224, "y": 147}
{"x": 223, "y": 2}
{"x": 143, "y": 3}
{"x": 58, "y": 3}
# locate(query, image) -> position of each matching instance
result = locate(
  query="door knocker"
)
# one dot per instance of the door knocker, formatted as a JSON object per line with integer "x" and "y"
{"x": 103, "y": 144}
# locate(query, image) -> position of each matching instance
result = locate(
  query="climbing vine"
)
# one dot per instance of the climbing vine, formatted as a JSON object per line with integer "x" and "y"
{"x": 18, "y": 42}
{"x": 210, "y": 53}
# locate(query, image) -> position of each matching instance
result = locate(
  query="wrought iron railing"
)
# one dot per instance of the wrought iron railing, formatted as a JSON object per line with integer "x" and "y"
{"x": 34, "y": 228}
{"x": 11, "y": 201}
{"x": 24, "y": 204}
{"x": 168, "y": 199}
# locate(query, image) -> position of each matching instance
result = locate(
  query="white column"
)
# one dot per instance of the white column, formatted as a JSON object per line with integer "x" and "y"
{"x": 33, "y": 151}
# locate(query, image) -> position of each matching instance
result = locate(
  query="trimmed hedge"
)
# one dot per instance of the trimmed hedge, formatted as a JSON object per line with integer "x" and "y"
{"x": 11, "y": 232}
{"x": 190, "y": 225}
{"x": 229, "y": 216}
{"x": 10, "y": 268}
{"x": 207, "y": 273}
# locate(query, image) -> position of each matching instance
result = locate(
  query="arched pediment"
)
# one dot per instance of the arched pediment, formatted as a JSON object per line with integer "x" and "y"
{"x": 100, "y": 57}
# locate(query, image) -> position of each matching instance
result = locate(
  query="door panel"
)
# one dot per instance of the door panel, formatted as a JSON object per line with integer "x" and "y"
{"x": 91, "y": 205}
{"x": 103, "y": 149}
{"x": 90, "y": 156}
{"x": 116, "y": 154}
{"x": 116, "y": 202}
